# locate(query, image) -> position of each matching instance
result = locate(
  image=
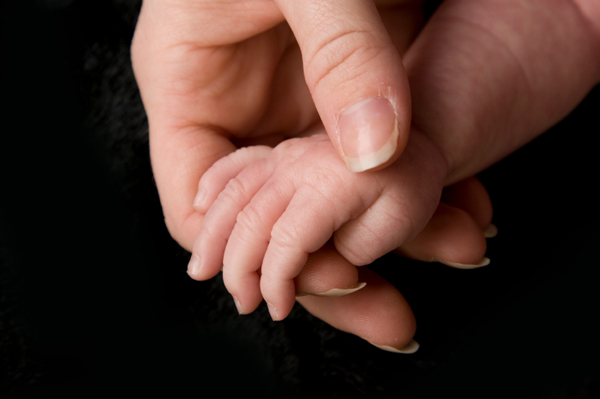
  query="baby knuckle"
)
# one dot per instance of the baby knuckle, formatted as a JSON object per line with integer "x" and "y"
{"x": 287, "y": 149}
{"x": 234, "y": 191}
{"x": 249, "y": 219}
{"x": 285, "y": 145}
{"x": 285, "y": 236}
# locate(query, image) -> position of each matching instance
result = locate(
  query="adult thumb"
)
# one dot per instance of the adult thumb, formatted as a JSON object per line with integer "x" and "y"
{"x": 355, "y": 76}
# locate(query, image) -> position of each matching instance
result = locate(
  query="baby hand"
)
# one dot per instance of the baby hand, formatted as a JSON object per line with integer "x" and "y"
{"x": 283, "y": 207}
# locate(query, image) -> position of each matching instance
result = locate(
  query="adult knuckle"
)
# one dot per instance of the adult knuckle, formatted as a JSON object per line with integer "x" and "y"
{"x": 402, "y": 226}
{"x": 342, "y": 48}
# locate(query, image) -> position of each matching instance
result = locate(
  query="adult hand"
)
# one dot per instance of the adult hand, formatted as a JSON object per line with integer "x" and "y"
{"x": 467, "y": 69}
{"x": 210, "y": 73}
{"x": 486, "y": 78}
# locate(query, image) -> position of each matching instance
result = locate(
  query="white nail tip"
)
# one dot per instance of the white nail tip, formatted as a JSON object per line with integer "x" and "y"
{"x": 341, "y": 291}
{"x": 490, "y": 231}
{"x": 366, "y": 162}
{"x": 484, "y": 262}
{"x": 412, "y": 347}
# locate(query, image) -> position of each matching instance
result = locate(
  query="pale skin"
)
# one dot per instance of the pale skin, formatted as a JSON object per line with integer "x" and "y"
{"x": 484, "y": 77}
{"x": 279, "y": 209}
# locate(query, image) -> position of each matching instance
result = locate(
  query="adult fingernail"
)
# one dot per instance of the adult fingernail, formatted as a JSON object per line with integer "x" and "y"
{"x": 412, "y": 347}
{"x": 483, "y": 262}
{"x": 490, "y": 231}
{"x": 194, "y": 265}
{"x": 368, "y": 133}
{"x": 341, "y": 291}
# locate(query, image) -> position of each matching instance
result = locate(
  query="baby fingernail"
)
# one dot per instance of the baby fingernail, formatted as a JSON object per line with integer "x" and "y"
{"x": 341, "y": 291}
{"x": 490, "y": 231}
{"x": 199, "y": 200}
{"x": 412, "y": 347}
{"x": 368, "y": 133}
{"x": 238, "y": 305}
{"x": 273, "y": 312}
{"x": 484, "y": 262}
{"x": 194, "y": 265}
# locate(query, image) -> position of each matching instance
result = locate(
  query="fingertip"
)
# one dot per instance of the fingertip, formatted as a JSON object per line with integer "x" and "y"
{"x": 281, "y": 311}
{"x": 279, "y": 296}
{"x": 201, "y": 268}
{"x": 273, "y": 312}
{"x": 451, "y": 237}
{"x": 356, "y": 77}
{"x": 471, "y": 196}
{"x": 199, "y": 203}
{"x": 238, "y": 305}
{"x": 194, "y": 266}
{"x": 247, "y": 304}
{"x": 372, "y": 135}
{"x": 491, "y": 231}
{"x": 246, "y": 300}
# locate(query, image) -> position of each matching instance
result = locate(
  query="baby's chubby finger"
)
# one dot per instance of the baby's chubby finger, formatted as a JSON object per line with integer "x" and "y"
{"x": 218, "y": 223}
{"x": 326, "y": 273}
{"x": 306, "y": 225}
{"x": 221, "y": 172}
{"x": 248, "y": 241}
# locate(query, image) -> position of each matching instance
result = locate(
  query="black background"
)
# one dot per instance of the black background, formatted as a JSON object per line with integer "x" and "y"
{"x": 94, "y": 297}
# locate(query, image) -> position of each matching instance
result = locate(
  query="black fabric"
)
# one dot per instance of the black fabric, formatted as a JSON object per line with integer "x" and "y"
{"x": 94, "y": 295}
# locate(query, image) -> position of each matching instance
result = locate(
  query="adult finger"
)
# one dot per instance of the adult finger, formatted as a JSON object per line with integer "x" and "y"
{"x": 378, "y": 313}
{"x": 451, "y": 237}
{"x": 181, "y": 83}
{"x": 327, "y": 273}
{"x": 471, "y": 196}
{"x": 355, "y": 76}
{"x": 456, "y": 233}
